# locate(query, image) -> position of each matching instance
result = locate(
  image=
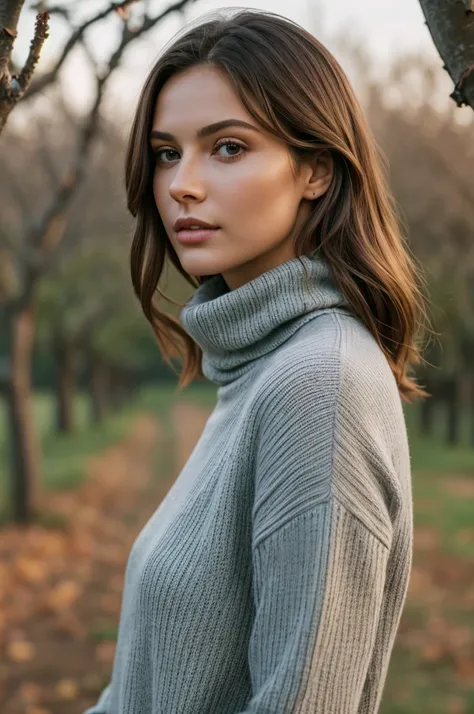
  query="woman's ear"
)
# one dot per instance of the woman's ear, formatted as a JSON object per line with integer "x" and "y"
{"x": 320, "y": 175}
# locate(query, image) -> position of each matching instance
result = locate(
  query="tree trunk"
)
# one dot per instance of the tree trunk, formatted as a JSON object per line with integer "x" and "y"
{"x": 66, "y": 383}
{"x": 116, "y": 390}
{"x": 426, "y": 416}
{"x": 471, "y": 410}
{"x": 24, "y": 443}
{"x": 453, "y": 411}
{"x": 98, "y": 389}
{"x": 452, "y": 29}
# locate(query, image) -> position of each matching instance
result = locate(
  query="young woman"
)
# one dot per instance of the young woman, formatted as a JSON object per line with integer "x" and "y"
{"x": 272, "y": 577}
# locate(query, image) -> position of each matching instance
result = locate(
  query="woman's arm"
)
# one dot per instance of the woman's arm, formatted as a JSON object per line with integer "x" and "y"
{"x": 319, "y": 586}
{"x": 332, "y": 536}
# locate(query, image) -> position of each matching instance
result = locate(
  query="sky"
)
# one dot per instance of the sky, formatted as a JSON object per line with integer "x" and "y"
{"x": 386, "y": 28}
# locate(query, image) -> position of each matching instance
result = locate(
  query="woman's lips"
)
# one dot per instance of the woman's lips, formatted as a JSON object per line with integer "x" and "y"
{"x": 189, "y": 236}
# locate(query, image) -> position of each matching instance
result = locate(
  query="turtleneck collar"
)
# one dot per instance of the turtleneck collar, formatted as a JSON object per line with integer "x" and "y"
{"x": 236, "y": 327}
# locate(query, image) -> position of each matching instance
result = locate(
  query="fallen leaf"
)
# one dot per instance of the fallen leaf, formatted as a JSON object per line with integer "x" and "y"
{"x": 30, "y": 569}
{"x": 105, "y": 652}
{"x": 64, "y": 595}
{"x": 30, "y": 692}
{"x": 20, "y": 651}
{"x": 67, "y": 689}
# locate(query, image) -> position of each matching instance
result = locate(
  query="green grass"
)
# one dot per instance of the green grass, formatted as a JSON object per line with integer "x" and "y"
{"x": 201, "y": 393}
{"x": 432, "y": 453}
{"x": 414, "y": 685}
{"x": 106, "y": 632}
{"x": 449, "y": 514}
{"x": 64, "y": 455}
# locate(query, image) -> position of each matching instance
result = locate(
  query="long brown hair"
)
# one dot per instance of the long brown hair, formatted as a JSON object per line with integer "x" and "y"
{"x": 295, "y": 89}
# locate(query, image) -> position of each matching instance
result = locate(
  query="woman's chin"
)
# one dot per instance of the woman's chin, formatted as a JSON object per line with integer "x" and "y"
{"x": 198, "y": 265}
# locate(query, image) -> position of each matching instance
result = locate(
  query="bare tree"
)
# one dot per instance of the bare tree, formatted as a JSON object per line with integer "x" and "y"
{"x": 30, "y": 258}
{"x": 451, "y": 24}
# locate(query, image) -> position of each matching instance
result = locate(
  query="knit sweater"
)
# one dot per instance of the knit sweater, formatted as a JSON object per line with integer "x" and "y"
{"x": 272, "y": 577}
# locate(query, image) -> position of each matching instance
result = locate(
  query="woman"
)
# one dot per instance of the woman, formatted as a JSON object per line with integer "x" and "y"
{"x": 272, "y": 577}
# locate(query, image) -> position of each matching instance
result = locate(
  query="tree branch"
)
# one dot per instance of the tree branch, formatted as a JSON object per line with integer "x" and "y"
{"x": 451, "y": 25}
{"x": 41, "y": 33}
{"x": 13, "y": 87}
{"x": 46, "y": 235}
{"x": 43, "y": 81}
{"x": 9, "y": 15}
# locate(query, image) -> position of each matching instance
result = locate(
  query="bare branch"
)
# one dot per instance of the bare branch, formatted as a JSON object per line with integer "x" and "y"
{"x": 45, "y": 154}
{"x": 41, "y": 33}
{"x": 90, "y": 56}
{"x": 64, "y": 12}
{"x": 16, "y": 190}
{"x": 45, "y": 237}
{"x": 451, "y": 25}
{"x": 41, "y": 82}
{"x": 9, "y": 15}
{"x": 12, "y": 87}
{"x": 55, "y": 10}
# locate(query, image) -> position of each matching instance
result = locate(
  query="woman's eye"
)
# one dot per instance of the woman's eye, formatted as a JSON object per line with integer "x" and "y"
{"x": 160, "y": 153}
{"x": 232, "y": 144}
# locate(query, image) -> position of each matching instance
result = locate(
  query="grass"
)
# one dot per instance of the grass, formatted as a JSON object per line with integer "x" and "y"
{"x": 432, "y": 453}
{"x": 413, "y": 684}
{"x": 64, "y": 455}
{"x": 448, "y": 514}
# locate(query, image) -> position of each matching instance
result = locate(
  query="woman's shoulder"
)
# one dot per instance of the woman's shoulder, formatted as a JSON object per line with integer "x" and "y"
{"x": 330, "y": 397}
{"x": 335, "y": 349}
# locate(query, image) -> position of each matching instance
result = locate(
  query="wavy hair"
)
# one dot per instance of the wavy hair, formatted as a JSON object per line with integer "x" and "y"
{"x": 294, "y": 88}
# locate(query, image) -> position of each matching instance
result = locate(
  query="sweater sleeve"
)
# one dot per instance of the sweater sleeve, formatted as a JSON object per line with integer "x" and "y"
{"x": 321, "y": 542}
{"x": 318, "y": 589}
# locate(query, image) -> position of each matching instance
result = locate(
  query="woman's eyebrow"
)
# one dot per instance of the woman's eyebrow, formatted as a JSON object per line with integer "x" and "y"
{"x": 205, "y": 130}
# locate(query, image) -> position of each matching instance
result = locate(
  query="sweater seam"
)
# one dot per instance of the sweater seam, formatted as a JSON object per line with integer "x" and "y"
{"x": 331, "y": 499}
{"x": 337, "y": 404}
{"x": 363, "y": 523}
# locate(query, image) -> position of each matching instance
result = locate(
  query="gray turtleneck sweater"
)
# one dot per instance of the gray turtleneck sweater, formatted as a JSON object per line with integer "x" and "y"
{"x": 272, "y": 577}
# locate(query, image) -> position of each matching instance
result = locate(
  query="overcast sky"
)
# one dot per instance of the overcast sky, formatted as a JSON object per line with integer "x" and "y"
{"x": 386, "y": 28}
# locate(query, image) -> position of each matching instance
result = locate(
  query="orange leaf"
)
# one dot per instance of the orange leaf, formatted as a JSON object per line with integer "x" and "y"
{"x": 30, "y": 569}
{"x": 20, "y": 651}
{"x": 465, "y": 669}
{"x": 64, "y": 595}
{"x": 105, "y": 652}
{"x": 67, "y": 689}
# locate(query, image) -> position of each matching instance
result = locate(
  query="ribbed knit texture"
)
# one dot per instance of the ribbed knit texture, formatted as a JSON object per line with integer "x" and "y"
{"x": 272, "y": 577}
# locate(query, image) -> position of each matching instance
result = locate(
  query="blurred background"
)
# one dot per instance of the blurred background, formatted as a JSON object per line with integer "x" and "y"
{"x": 92, "y": 431}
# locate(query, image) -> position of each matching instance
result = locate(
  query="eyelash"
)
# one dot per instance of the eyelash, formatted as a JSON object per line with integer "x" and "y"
{"x": 221, "y": 142}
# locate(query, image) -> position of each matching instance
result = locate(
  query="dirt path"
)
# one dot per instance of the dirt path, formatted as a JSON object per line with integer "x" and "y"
{"x": 61, "y": 588}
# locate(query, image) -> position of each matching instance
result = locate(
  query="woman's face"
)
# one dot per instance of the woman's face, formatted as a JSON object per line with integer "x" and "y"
{"x": 244, "y": 184}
